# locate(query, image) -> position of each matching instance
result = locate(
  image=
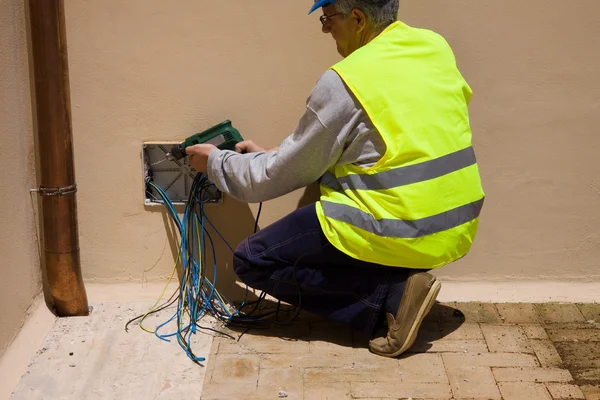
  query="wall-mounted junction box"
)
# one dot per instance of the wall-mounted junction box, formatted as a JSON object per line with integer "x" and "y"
{"x": 174, "y": 177}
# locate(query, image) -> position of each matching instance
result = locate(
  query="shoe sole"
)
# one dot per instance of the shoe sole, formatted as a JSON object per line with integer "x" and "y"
{"x": 414, "y": 330}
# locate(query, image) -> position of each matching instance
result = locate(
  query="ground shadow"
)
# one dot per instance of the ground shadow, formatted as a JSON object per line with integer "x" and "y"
{"x": 441, "y": 321}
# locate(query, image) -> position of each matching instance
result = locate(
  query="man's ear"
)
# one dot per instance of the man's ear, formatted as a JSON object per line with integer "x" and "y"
{"x": 361, "y": 19}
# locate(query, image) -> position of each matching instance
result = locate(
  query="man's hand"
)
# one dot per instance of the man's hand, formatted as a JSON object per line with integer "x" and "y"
{"x": 248, "y": 146}
{"x": 199, "y": 156}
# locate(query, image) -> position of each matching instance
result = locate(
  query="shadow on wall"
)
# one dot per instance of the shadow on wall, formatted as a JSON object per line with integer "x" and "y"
{"x": 311, "y": 195}
{"x": 235, "y": 221}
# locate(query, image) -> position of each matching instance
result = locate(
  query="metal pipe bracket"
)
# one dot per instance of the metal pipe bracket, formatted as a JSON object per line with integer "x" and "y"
{"x": 60, "y": 191}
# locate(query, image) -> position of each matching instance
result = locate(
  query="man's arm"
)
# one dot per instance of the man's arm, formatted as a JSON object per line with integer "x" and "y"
{"x": 248, "y": 146}
{"x": 316, "y": 144}
{"x": 301, "y": 159}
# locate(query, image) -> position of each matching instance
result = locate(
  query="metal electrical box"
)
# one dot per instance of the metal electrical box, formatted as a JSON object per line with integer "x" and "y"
{"x": 174, "y": 177}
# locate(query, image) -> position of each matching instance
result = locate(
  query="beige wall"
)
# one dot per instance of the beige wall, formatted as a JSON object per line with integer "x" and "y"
{"x": 535, "y": 117}
{"x": 19, "y": 262}
{"x": 155, "y": 70}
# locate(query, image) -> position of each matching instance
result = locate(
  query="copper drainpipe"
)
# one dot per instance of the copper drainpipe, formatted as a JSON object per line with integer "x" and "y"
{"x": 55, "y": 149}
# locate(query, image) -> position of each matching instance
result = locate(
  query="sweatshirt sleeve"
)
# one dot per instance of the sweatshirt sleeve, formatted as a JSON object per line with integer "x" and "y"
{"x": 315, "y": 145}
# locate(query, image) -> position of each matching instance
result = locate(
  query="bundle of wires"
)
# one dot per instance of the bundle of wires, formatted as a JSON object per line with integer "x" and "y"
{"x": 197, "y": 295}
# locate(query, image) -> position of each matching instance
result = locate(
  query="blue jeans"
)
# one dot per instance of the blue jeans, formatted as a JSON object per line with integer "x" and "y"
{"x": 293, "y": 261}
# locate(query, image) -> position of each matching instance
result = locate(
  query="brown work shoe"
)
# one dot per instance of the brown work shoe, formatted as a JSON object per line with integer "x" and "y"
{"x": 419, "y": 295}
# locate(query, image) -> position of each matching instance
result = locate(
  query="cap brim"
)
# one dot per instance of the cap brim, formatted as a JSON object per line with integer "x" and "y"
{"x": 319, "y": 4}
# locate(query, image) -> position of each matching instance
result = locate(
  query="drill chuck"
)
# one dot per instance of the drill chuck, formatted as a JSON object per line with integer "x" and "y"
{"x": 177, "y": 152}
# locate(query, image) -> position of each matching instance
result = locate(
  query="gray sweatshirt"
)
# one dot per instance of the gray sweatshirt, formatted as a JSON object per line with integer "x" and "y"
{"x": 334, "y": 130}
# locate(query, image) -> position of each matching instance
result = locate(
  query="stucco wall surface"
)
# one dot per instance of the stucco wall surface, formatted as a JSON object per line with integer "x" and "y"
{"x": 19, "y": 262}
{"x": 535, "y": 118}
{"x": 155, "y": 70}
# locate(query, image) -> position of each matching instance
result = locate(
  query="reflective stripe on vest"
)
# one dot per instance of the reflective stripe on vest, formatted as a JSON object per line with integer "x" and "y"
{"x": 398, "y": 228}
{"x": 403, "y": 175}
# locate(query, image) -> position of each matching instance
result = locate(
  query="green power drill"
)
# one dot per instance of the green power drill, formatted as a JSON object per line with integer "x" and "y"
{"x": 223, "y": 135}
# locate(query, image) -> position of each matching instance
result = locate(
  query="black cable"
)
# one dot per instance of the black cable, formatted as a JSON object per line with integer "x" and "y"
{"x": 257, "y": 217}
{"x": 215, "y": 330}
{"x": 261, "y": 319}
{"x": 163, "y": 306}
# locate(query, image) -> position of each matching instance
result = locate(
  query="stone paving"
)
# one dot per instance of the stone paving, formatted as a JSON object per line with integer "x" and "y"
{"x": 464, "y": 351}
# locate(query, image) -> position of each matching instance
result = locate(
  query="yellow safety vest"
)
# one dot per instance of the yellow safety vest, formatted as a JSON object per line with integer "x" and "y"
{"x": 418, "y": 207}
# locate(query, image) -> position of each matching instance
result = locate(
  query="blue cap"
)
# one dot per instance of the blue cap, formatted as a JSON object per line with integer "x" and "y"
{"x": 321, "y": 3}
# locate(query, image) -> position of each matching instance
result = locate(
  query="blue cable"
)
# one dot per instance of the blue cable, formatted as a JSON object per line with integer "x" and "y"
{"x": 200, "y": 294}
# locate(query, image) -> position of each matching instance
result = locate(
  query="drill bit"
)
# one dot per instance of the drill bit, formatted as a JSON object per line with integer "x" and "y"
{"x": 158, "y": 162}
{"x": 168, "y": 157}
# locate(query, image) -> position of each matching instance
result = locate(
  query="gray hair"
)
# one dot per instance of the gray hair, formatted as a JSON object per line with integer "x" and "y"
{"x": 380, "y": 13}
